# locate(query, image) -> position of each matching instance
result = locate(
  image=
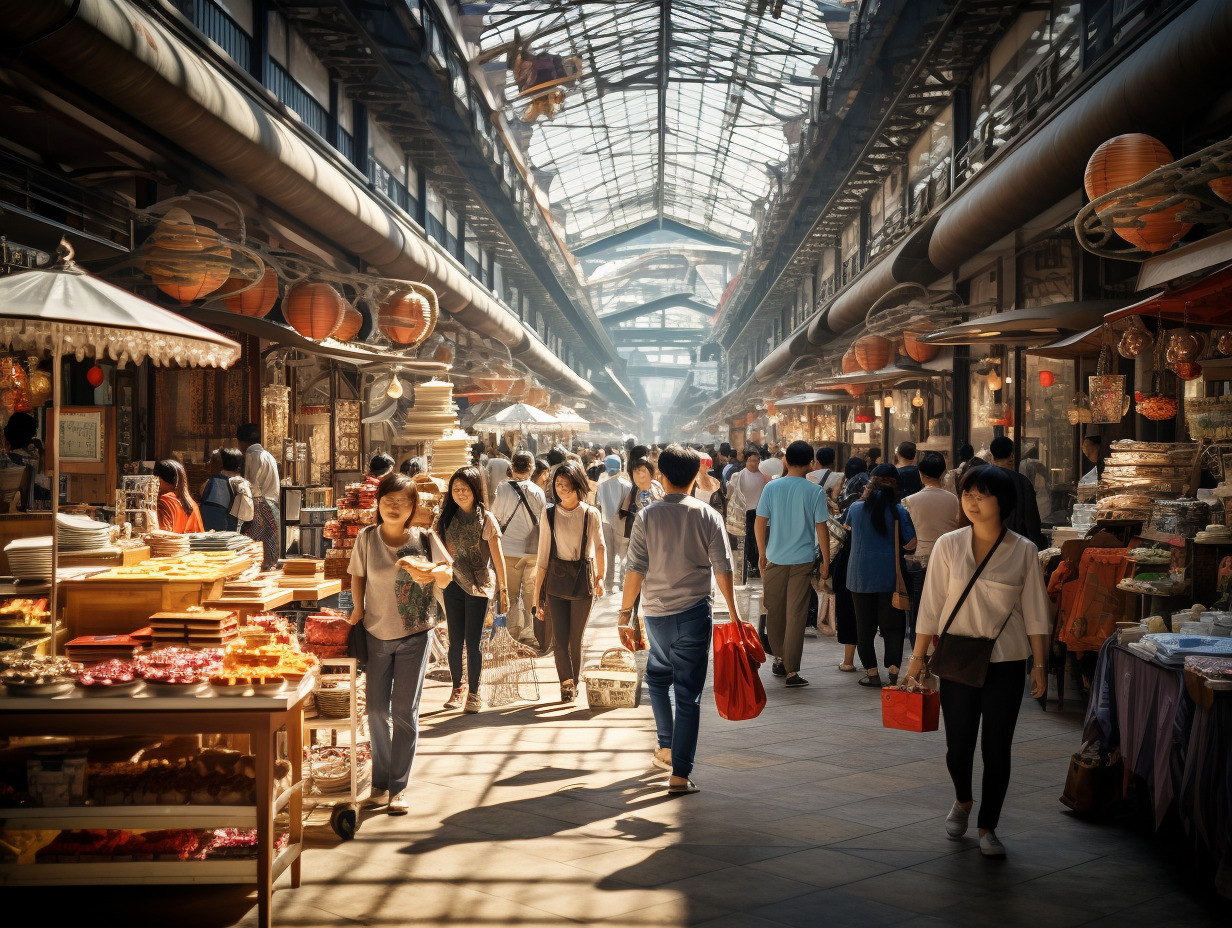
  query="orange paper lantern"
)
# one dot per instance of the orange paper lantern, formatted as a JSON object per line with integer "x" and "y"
{"x": 257, "y": 300}
{"x": 313, "y": 310}
{"x": 917, "y": 350}
{"x": 855, "y": 389}
{"x": 407, "y": 317}
{"x": 186, "y": 261}
{"x": 1125, "y": 160}
{"x": 352, "y": 322}
{"x": 849, "y": 362}
{"x": 1222, "y": 187}
{"x": 873, "y": 352}
{"x": 189, "y": 287}
{"x": 1046, "y": 378}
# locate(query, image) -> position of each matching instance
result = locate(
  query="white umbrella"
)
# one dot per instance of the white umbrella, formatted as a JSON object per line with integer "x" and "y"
{"x": 518, "y": 416}
{"x": 570, "y": 419}
{"x": 63, "y": 310}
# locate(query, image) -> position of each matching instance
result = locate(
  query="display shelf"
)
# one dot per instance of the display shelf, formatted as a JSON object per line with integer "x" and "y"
{"x": 158, "y": 871}
{"x": 131, "y": 818}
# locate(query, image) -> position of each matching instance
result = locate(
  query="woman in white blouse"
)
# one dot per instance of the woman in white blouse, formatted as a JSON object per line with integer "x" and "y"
{"x": 1007, "y": 603}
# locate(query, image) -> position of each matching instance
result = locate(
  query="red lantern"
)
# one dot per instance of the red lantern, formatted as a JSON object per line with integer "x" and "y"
{"x": 864, "y": 414}
{"x": 1046, "y": 378}
{"x": 352, "y": 322}
{"x": 314, "y": 310}
{"x": 257, "y": 300}
{"x": 95, "y": 376}
{"x": 1125, "y": 160}
{"x": 407, "y": 317}
{"x": 873, "y": 352}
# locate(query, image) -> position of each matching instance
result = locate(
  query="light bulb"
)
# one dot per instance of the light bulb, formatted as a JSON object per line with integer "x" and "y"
{"x": 918, "y": 400}
{"x": 395, "y": 388}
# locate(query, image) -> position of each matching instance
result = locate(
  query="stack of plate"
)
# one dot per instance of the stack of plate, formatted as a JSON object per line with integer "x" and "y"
{"x": 167, "y": 544}
{"x": 1214, "y": 534}
{"x": 77, "y": 533}
{"x": 217, "y": 541}
{"x": 30, "y": 558}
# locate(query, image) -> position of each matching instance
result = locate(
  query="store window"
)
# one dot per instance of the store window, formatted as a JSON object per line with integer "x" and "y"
{"x": 1047, "y": 455}
{"x": 991, "y": 394}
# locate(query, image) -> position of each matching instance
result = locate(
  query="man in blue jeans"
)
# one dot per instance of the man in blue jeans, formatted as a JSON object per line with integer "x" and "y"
{"x": 675, "y": 546}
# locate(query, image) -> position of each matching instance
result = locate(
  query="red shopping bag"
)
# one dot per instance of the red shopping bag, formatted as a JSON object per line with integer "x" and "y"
{"x": 910, "y": 711}
{"x": 738, "y": 653}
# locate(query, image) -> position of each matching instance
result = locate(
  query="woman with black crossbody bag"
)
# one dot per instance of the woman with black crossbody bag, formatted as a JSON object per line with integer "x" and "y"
{"x": 984, "y": 597}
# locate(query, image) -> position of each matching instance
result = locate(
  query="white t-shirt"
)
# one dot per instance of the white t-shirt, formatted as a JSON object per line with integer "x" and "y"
{"x": 751, "y": 484}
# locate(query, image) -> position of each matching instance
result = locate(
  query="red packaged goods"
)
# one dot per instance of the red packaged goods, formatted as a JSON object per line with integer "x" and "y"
{"x": 108, "y": 673}
{"x": 323, "y": 628}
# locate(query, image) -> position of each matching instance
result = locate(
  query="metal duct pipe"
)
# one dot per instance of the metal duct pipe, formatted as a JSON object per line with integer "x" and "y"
{"x": 126, "y": 56}
{"x": 1178, "y": 72}
{"x": 793, "y": 346}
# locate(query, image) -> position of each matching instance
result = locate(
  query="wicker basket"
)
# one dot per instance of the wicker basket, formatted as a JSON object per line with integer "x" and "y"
{"x": 334, "y": 703}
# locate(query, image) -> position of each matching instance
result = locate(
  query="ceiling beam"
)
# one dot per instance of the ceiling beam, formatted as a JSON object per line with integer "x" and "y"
{"x": 674, "y": 301}
{"x": 654, "y": 225}
{"x": 665, "y": 60}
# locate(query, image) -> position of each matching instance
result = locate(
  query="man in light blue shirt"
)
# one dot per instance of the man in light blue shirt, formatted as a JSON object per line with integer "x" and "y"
{"x": 790, "y": 525}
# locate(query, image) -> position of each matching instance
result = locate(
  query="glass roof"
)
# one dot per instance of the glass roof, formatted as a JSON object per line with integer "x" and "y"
{"x": 645, "y": 134}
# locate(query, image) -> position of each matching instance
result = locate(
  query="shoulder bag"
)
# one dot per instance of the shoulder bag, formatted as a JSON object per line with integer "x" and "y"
{"x": 965, "y": 658}
{"x": 900, "y": 599}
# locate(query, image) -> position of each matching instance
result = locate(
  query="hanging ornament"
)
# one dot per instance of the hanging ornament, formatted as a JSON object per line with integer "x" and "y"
{"x": 918, "y": 400}
{"x": 394, "y": 390}
{"x": 38, "y": 383}
{"x": 1187, "y": 370}
{"x": 1134, "y": 341}
{"x": 1186, "y": 345}
{"x": 1046, "y": 378}
{"x": 1079, "y": 411}
{"x": 1224, "y": 345}
{"x": 95, "y": 376}
{"x": 995, "y": 382}
{"x": 1157, "y": 405}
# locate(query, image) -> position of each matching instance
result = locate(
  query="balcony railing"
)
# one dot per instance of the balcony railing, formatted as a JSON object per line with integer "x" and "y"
{"x": 220, "y": 28}
{"x": 292, "y": 94}
{"x": 36, "y": 190}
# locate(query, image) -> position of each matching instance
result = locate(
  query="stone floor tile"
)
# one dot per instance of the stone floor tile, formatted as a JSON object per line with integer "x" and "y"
{"x": 648, "y": 866}
{"x": 739, "y": 888}
{"x": 822, "y": 867}
{"x": 834, "y": 909}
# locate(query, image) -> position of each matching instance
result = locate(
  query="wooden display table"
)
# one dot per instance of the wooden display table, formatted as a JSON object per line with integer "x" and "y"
{"x": 261, "y": 718}
{"x": 306, "y": 589}
{"x": 123, "y": 557}
{"x": 249, "y": 604}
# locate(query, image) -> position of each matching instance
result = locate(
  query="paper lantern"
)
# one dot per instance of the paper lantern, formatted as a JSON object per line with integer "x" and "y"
{"x": 407, "y": 317}
{"x": 313, "y": 310}
{"x": 95, "y": 376}
{"x": 1125, "y": 160}
{"x": 1222, "y": 188}
{"x": 864, "y": 414}
{"x": 873, "y": 352}
{"x": 186, "y": 261}
{"x": 849, "y": 362}
{"x": 854, "y": 389}
{"x": 352, "y": 322}
{"x": 917, "y": 350}
{"x": 1046, "y": 378}
{"x": 257, "y": 300}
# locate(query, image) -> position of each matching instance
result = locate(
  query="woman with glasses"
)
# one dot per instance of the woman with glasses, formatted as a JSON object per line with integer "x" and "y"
{"x": 1007, "y": 603}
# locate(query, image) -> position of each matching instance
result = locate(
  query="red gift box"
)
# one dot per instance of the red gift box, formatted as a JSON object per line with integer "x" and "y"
{"x": 907, "y": 711}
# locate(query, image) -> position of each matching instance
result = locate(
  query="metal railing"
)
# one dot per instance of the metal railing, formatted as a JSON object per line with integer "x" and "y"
{"x": 220, "y": 28}
{"x": 291, "y": 93}
{"x": 36, "y": 190}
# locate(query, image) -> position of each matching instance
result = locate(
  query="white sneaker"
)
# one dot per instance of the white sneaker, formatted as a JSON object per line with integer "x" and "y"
{"x": 378, "y": 797}
{"x": 956, "y": 821}
{"x": 397, "y": 805}
{"x": 990, "y": 846}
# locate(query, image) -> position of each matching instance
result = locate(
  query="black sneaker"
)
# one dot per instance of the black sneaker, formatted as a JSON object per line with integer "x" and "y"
{"x": 796, "y": 680}
{"x": 777, "y": 668}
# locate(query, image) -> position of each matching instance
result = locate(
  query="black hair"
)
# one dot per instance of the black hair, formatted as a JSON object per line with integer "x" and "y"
{"x": 679, "y": 464}
{"x": 873, "y": 454}
{"x": 882, "y": 496}
{"x": 249, "y": 431}
{"x": 965, "y": 452}
{"x": 471, "y": 476}
{"x": 991, "y": 481}
{"x": 522, "y": 462}
{"x": 172, "y": 471}
{"x": 1097, "y": 440}
{"x": 639, "y": 451}
{"x": 380, "y": 465}
{"x": 751, "y": 449}
{"x": 906, "y": 450}
{"x": 725, "y": 449}
{"x": 541, "y": 466}
{"x": 855, "y": 465}
{"x": 20, "y": 430}
{"x": 932, "y": 465}
{"x": 232, "y": 458}
{"x": 575, "y": 474}
{"x": 825, "y": 456}
{"x": 393, "y": 483}
{"x": 798, "y": 454}
{"x": 556, "y": 455}
{"x": 1001, "y": 448}
{"x": 642, "y": 462}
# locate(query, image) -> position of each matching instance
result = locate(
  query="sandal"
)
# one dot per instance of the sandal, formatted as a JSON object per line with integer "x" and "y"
{"x": 688, "y": 786}
{"x": 847, "y": 668}
{"x": 866, "y": 680}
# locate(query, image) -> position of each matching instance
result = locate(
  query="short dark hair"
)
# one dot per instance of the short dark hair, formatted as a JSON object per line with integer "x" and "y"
{"x": 932, "y": 465}
{"x": 855, "y": 465}
{"x": 575, "y": 474}
{"x": 1097, "y": 440}
{"x": 522, "y": 462}
{"x": 639, "y": 451}
{"x": 20, "y": 430}
{"x": 798, "y": 454}
{"x": 965, "y": 452}
{"x": 249, "y": 431}
{"x": 906, "y": 450}
{"x": 1001, "y": 448}
{"x": 381, "y": 464}
{"x": 725, "y": 449}
{"x": 642, "y": 462}
{"x": 991, "y": 481}
{"x": 751, "y": 449}
{"x": 873, "y": 454}
{"x": 679, "y": 464}
{"x": 394, "y": 483}
{"x": 825, "y": 456}
{"x": 231, "y": 458}
{"x": 556, "y": 455}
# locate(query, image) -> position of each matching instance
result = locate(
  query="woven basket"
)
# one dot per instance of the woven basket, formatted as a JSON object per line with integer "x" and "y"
{"x": 334, "y": 703}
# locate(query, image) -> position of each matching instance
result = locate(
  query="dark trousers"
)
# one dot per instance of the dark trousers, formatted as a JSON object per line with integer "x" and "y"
{"x": 750, "y": 539}
{"x": 395, "y": 679}
{"x": 569, "y": 618}
{"x": 913, "y": 574}
{"x": 464, "y": 615}
{"x": 996, "y": 703}
{"x": 675, "y": 676}
{"x": 875, "y": 612}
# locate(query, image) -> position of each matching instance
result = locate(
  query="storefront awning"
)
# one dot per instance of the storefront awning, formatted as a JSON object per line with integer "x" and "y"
{"x": 811, "y": 399}
{"x": 1025, "y": 326}
{"x": 1085, "y": 344}
{"x": 1212, "y": 251}
{"x": 887, "y": 376}
{"x": 1205, "y": 302}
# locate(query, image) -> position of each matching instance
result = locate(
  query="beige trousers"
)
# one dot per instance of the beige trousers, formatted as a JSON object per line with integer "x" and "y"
{"x": 786, "y": 589}
{"x": 520, "y": 579}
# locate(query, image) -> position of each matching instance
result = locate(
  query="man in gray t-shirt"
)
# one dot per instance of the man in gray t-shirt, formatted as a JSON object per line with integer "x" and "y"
{"x": 676, "y": 546}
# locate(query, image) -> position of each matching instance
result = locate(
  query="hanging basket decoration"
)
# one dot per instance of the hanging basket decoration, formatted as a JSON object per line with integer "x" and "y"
{"x": 352, "y": 322}
{"x": 408, "y": 317}
{"x": 186, "y": 261}
{"x": 1224, "y": 344}
{"x": 251, "y": 299}
{"x": 915, "y": 349}
{"x": 314, "y": 310}
{"x": 864, "y": 414}
{"x": 1186, "y": 345}
{"x": 1125, "y": 160}
{"x": 1187, "y": 370}
{"x": 873, "y": 352}
{"x": 1157, "y": 406}
{"x": 1108, "y": 399}
{"x": 1134, "y": 340}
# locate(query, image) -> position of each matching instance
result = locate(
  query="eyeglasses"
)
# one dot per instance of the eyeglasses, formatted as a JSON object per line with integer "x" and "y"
{"x": 975, "y": 498}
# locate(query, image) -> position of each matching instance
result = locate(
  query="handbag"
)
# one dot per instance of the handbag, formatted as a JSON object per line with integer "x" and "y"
{"x": 908, "y": 710}
{"x": 900, "y": 599}
{"x": 357, "y": 643}
{"x": 965, "y": 658}
{"x": 738, "y": 690}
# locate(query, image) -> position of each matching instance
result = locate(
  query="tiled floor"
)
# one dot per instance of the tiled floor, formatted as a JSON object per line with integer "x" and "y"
{"x": 812, "y": 814}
